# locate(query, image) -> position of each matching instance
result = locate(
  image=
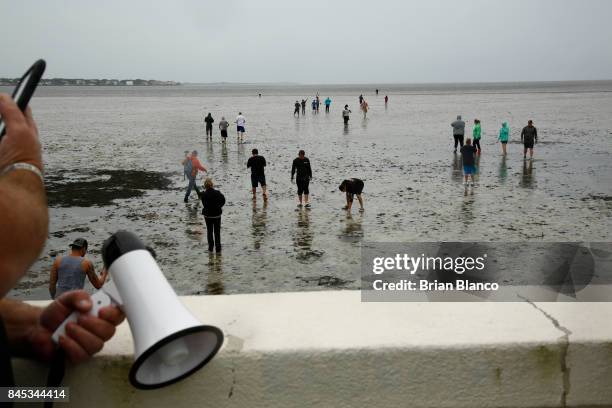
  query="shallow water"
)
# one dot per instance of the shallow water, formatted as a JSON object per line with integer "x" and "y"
{"x": 112, "y": 161}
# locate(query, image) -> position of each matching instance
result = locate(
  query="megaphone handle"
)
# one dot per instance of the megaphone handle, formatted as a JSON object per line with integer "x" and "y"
{"x": 98, "y": 299}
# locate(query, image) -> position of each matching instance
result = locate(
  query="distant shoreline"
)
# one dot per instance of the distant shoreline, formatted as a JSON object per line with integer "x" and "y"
{"x": 92, "y": 82}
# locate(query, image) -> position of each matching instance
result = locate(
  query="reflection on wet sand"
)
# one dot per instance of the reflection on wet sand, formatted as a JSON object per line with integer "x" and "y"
{"x": 503, "y": 170}
{"x": 214, "y": 284}
{"x": 457, "y": 171}
{"x": 259, "y": 219}
{"x": 466, "y": 214}
{"x": 346, "y": 129}
{"x": 353, "y": 228}
{"x": 528, "y": 177}
{"x": 303, "y": 235}
{"x": 195, "y": 222}
{"x": 224, "y": 152}
{"x": 364, "y": 123}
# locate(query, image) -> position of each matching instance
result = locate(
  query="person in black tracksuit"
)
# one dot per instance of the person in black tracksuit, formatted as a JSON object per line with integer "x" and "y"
{"x": 212, "y": 200}
{"x": 303, "y": 174}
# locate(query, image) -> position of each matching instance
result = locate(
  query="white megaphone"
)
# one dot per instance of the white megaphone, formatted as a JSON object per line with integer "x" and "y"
{"x": 169, "y": 342}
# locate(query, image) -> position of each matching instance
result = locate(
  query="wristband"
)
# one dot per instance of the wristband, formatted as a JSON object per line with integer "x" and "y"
{"x": 23, "y": 166}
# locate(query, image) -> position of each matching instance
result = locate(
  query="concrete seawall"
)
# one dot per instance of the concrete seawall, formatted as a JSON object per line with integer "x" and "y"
{"x": 328, "y": 349}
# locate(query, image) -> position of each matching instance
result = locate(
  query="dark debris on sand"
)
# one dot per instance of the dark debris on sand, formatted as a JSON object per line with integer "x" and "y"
{"x": 105, "y": 187}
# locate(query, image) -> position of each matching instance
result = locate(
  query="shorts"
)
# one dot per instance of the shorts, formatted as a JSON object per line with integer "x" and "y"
{"x": 223, "y": 132}
{"x": 469, "y": 169}
{"x": 346, "y": 119}
{"x": 258, "y": 179}
{"x": 240, "y": 129}
{"x": 506, "y": 142}
{"x": 302, "y": 185}
{"x": 528, "y": 145}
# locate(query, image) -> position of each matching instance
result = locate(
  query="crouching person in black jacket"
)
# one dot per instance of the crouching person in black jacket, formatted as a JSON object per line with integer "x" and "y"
{"x": 212, "y": 200}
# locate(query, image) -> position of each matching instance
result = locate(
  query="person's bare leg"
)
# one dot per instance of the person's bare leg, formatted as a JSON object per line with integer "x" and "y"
{"x": 305, "y": 198}
{"x": 531, "y": 153}
{"x": 360, "y": 202}
{"x": 254, "y": 190}
{"x": 300, "y": 198}
{"x": 265, "y": 192}
{"x": 504, "y": 148}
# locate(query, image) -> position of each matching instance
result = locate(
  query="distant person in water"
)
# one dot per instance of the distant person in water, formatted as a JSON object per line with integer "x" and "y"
{"x": 504, "y": 136}
{"x": 529, "y": 137}
{"x": 314, "y": 106}
{"x": 327, "y": 104}
{"x": 351, "y": 188}
{"x": 458, "y": 131}
{"x": 209, "y": 122}
{"x": 360, "y": 99}
{"x": 303, "y": 174}
{"x": 191, "y": 166}
{"x": 257, "y": 164}
{"x": 318, "y": 102}
{"x": 346, "y": 114}
{"x": 212, "y": 201}
{"x": 476, "y": 135}
{"x": 296, "y": 111}
{"x": 303, "y": 106}
{"x": 240, "y": 129}
{"x": 386, "y": 99}
{"x": 364, "y": 108}
{"x": 376, "y": 91}
{"x": 223, "y": 125}
{"x": 468, "y": 153}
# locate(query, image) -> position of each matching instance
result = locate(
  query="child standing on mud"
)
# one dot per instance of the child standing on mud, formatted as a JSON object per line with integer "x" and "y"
{"x": 504, "y": 135}
{"x": 476, "y": 135}
{"x": 467, "y": 154}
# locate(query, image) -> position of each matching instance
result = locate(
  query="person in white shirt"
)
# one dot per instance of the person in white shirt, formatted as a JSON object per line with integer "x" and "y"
{"x": 240, "y": 122}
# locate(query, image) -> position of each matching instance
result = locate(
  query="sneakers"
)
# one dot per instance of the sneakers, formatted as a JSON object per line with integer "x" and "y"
{"x": 307, "y": 205}
{"x": 299, "y": 205}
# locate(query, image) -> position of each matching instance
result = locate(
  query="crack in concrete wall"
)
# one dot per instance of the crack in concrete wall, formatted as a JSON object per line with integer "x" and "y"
{"x": 564, "y": 341}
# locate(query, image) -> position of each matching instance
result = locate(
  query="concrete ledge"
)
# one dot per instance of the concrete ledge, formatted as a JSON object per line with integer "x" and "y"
{"x": 327, "y": 349}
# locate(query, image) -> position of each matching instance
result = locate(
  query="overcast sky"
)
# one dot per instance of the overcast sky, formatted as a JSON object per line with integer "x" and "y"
{"x": 310, "y": 41}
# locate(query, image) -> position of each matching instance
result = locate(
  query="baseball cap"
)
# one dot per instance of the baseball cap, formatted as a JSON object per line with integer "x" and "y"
{"x": 79, "y": 243}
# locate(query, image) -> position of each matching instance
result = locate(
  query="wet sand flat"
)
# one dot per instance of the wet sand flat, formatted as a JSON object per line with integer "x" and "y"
{"x": 112, "y": 162}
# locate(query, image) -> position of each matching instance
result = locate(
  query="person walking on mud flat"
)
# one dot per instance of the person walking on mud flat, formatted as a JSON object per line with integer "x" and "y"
{"x": 458, "y": 131}
{"x": 476, "y": 135}
{"x": 296, "y": 111}
{"x": 209, "y": 122}
{"x": 68, "y": 272}
{"x": 257, "y": 165}
{"x": 386, "y": 100}
{"x": 467, "y": 155}
{"x": 223, "y": 125}
{"x": 240, "y": 123}
{"x": 213, "y": 201}
{"x": 364, "y": 108}
{"x": 504, "y": 136}
{"x": 303, "y": 107}
{"x": 346, "y": 113}
{"x": 327, "y": 104}
{"x": 351, "y": 188}
{"x": 529, "y": 137}
{"x": 191, "y": 166}
{"x": 303, "y": 174}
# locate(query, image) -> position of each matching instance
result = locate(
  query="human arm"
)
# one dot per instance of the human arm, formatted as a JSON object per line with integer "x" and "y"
{"x": 89, "y": 270}
{"x": 292, "y": 170}
{"x": 221, "y": 199}
{"x": 29, "y": 328}
{"x": 23, "y": 203}
{"x": 249, "y": 162}
{"x": 535, "y": 135}
{"x": 522, "y": 134}
{"x": 309, "y": 169}
{"x": 53, "y": 277}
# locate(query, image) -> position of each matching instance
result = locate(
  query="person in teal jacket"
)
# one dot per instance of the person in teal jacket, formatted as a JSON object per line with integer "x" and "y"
{"x": 504, "y": 135}
{"x": 476, "y": 136}
{"x": 327, "y": 103}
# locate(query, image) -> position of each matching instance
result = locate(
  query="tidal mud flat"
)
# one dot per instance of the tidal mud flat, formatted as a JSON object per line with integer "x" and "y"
{"x": 112, "y": 162}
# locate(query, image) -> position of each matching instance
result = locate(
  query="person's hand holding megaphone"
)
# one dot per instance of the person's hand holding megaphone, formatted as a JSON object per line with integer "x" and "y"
{"x": 83, "y": 338}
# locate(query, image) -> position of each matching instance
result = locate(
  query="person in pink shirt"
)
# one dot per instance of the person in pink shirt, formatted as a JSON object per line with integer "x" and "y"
{"x": 191, "y": 166}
